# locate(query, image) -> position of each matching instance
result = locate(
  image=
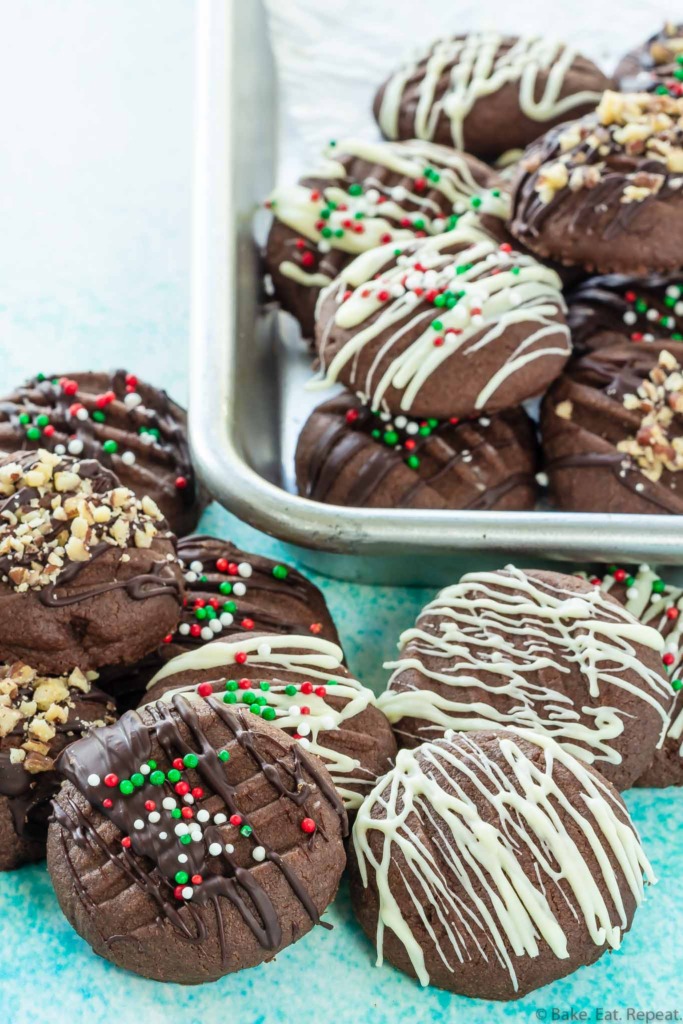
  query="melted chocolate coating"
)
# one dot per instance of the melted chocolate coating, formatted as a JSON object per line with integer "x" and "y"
{"x": 614, "y": 309}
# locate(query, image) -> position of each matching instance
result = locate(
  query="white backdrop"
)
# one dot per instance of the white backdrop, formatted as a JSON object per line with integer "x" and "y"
{"x": 332, "y": 54}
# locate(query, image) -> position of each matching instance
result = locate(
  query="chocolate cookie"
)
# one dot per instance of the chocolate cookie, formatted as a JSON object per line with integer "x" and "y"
{"x": 127, "y": 425}
{"x": 493, "y": 863}
{"x": 612, "y": 431}
{"x": 656, "y": 65}
{"x": 348, "y": 455}
{"x": 88, "y": 572}
{"x": 299, "y": 684}
{"x": 39, "y": 716}
{"x": 454, "y": 325}
{"x": 658, "y": 604}
{"x": 606, "y": 192}
{"x": 367, "y": 194}
{"x": 537, "y": 650}
{"x": 193, "y": 839}
{"x": 487, "y": 93}
{"x": 613, "y": 309}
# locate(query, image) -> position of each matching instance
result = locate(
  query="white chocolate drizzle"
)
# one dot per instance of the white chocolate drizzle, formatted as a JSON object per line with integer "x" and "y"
{"x": 479, "y": 67}
{"x": 311, "y": 658}
{"x": 460, "y": 860}
{"x": 499, "y": 289}
{"x": 527, "y": 635}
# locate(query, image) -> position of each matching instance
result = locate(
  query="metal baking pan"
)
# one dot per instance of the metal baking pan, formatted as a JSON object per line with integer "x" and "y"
{"x": 247, "y": 400}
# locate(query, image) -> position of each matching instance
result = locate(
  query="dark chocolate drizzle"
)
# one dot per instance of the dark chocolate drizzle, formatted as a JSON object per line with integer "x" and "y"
{"x": 151, "y": 862}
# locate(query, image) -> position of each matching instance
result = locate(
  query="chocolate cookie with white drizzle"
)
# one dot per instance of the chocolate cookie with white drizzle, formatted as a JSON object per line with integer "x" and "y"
{"x": 493, "y": 863}
{"x": 365, "y": 194}
{"x": 299, "y": 684}
{"x": 487, "y": 93}
{"x": 657, "y": 603}
{"x": 193, "y": 839}
{"x": 88, "y": 572}
{"x": 538, "y": 650}
{"x": 454, "y": 325}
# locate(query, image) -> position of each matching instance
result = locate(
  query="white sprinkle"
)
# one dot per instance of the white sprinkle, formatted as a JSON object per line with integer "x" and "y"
{"x": 632, "y": 593}
{"x": 412, "y": 428}
{"x": 294, "y": 710}
{"x": 305, "y": 743}
{"x": 220, "y": 819}
{"x": 181, "y": 829}
{"x": 132, "y": 399}
{"x": 258, "y": 853}
{"x": 303, "y": 728}
{"x": 75, "y": 447}
{"x": 168, "y": 803}
{"x": 154, "y": 817}
{"x": 191, "y": 577}
{"x": 60, "y": 449}
{"x": 264, "y": 650}
{"x": 206, "y": 633}
{"x": 215, "y": 625}
{"x": 400, "y": 422}
{"x": 145, "y": 769}
{"x": 328, "y": 722}
{"x": 138, "y": 823}
{"x": 184, "y": 629}
{"x": 324, "y": 245}
{"x": 182, "y": 858}
{"x": 226, "y": 619}
{"x": 245, "y": 570}
{"x": 163, "y": 835}
{"x": 229, "y": 848}
{"x": 188, "y": 798}
{"x": 203, "y": 815}
{"x": 196, "y": 566}
{"x": 128, "y": 458}
{"x": 239, "y": 589}
{"x": 398, "y": 193}
{"x": 187, "y": 892}
{"x": 215, "y": 849}
{"x": 197, "y": 836}
{"x": 93, "y": 780}
{"x": 82, "y": 414}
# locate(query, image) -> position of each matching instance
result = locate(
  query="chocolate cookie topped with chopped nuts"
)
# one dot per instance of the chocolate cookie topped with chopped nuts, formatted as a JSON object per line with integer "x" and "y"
{"x": 88, "y": 572}
{"x": 656, "y": 65}
{"x": 129, "y": 426}
{"x": 366, "y": 194}
{"x": 349, "y": 455}
{"x": 612, "y": 431}
{"x": 606, "y": 192}
{"x": 39, "y": 716}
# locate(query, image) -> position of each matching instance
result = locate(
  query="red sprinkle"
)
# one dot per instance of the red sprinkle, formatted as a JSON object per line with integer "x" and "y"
{"x": 168, "y": 638}
{"x": 131, "y": 380}
{"x": 182, "y": 788}
{"x": 197, "y": 792}
{"x": 668, "y": 658}
{"x": 235, "y": 819}
{"x": 222, "y": 565}
{"x": 111, "y": 780}
{"x": 305, "y": 710}
{"x": 125, "y": 842}
{"x": 107, "y": 803}
{"x": 232, "y": 569}
{"x": 49, "y": 430}
{"x": 320, "y": 691}
{"x": 196, "y": 879}
{"x": 195, "y": 629}
{"x": 672, "y": 613}
{"x": 240, "y": 658}
{"x": 205, "y": 689}
{"x": 150, "y": 805}
{"x": 306, "y": 687}
{"x": 178, "y": 892}
{"x": 315, "y": 628}
{"x": 308, "y": 825}
{"x": 178, "y": 764}
{"x": 620, "y": 575}
{"x": 351, "y": 415}
{"x": 244, "y": 684}
{"x": 385, "y": 238}
{"x": 307, "y": 259}
{"x": 247, "y": 623}
{"x": 187, "y": 812}
{"x": 180, "y": 483}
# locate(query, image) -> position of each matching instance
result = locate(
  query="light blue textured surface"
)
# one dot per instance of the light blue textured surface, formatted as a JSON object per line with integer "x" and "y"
{"x": 94, "y": 207}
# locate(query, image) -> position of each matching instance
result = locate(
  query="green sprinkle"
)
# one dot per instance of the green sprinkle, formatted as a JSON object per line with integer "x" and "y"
{"x": 24, "y": 418}
{"x": 231, "y": 684}
{"x": 433, "y": 424}
{"x": 174, "y": 775}
{"x": 224, "y": 755}
{"x": 413, "y": 461}
{"x": 326, "y": 232}
{"x": 425, "y": 431}
{"x": 225, "y": 588}
{"x": 437, "y": 325}
{"x": 514, "y": 270}
{"x": 355, "y": 190}
{"x": 658, "y": 587}
{"x": 152, "y": 764}
{"x": 138, "y": 779}
{"x": 110, "y": 447}
{"x": 495, "y": 192}
{"x": 98, "y": 416}
{"x": 185, "y": 840}
{"x": 390, "y": 437}
{"x": 33, "y": 433}
{"x": 181, "y": 877}
{"x": 126, "y": 787}
{"x": 190, "y": 760}
{"x": 248, "y": 697}
{"x": 630, "y": 581}
{"x": 200, "y": 613}
{"x": 40, "y": 377}
{"x": 210, "y": 612}
{"x": 280, "y": 572}
{"x": 176, "y": 813}
{"x": 42, "y": 421}
{"x": 440, "y": 301}
{"x": 246, "y": 830}
{"x": 475, "y": 202}
{"x": 230, "y": 606}
{"x": 290, "y": 690}
{"x": 255, "y": 709}
{"x": 418, "y": 224}
{"x": 269, "y": 714}
{"x": 260, "y": 700}
{"x": 229, "y": 698}
{"x": 677, "y": 684}
{"x": 157, "y": 778}
{"x": 263, "y": 685}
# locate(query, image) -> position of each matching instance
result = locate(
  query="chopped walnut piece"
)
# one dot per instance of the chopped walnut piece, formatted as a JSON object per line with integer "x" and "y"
{"x": 564, "y": 410}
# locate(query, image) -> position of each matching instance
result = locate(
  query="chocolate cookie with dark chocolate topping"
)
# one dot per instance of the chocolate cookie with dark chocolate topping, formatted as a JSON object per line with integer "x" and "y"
{"x": 613, "y": 309}
{"x": 129, "y": 426}
{"x": 612, "y": 431}
{"x": 349, "y": 455}
{"x": 192, "y": 840}
{"x": 39, "y": 716}
{"x": 606, "y": 192}
{"x": 487, "y": 93}
{"x": 654, "y": 66}
{"x": 299, "y": 684}
{"x": 366, "y": 194}
{"x": 493, "y": 863}
{"x": 88, "y": 572}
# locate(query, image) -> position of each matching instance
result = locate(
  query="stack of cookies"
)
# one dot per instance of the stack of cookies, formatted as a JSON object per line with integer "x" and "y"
{"x": 444, "y": 292}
